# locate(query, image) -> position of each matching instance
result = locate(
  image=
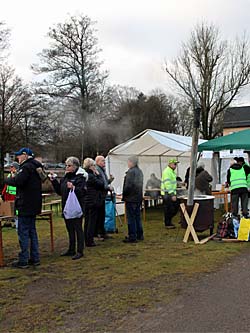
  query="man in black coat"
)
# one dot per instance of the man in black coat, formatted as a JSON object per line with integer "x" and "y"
{"x": 28, "y": 204}
{"x": 100, "y": 167}
{"x": 132, "y": 196}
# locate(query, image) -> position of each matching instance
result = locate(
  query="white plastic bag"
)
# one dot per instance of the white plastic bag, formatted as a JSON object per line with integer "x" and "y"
{"x": 72, "y": 209}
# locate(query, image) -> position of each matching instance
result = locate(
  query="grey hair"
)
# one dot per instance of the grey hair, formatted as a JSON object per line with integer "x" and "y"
{"x": 88, "y": 162}
{"x": 74, "y": 161}
{"x": 133, "y": 159}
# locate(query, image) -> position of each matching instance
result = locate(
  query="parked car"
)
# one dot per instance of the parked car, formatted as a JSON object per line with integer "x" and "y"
{"x": 53, "y": 166}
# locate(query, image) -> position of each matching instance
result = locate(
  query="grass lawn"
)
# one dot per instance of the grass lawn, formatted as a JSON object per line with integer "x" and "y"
{"x": 113, "y": 280}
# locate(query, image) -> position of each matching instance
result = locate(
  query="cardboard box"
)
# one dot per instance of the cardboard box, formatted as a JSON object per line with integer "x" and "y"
{"x": 7, "y": 208}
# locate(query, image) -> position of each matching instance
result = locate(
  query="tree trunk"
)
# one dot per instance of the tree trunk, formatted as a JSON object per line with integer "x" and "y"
{"x": 2, "y": 154}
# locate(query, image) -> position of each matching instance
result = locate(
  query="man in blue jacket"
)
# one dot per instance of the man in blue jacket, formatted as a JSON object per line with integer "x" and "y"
{"x": 28, "y": 204}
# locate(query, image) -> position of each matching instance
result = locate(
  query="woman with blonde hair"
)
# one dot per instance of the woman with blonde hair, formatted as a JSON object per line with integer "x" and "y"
{"x": 95, "y": 185}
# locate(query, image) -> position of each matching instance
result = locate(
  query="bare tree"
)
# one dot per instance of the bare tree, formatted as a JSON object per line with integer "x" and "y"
{"x": 210, "y": 72}
{"x": 4, "y": 40}
{"x": 73, "y": 68}
{"x": 15, "y": 100}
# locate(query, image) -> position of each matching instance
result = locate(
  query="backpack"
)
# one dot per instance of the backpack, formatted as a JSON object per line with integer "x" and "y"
{"x": 226, "y": 227}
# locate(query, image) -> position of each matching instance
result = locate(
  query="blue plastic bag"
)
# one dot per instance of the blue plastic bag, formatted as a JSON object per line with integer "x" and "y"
{"x": 72, "y": 209}
{"x": 110, "y": 225}
{"x": 236, "y": 225}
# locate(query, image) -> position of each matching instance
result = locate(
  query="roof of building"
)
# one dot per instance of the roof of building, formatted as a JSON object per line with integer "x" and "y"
{"x": 238, "y": 116}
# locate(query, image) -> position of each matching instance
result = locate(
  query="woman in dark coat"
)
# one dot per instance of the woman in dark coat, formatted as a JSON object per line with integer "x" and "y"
{"x": 93, "y": 200}
{"x": 202, "y": 181}
{"x": 74, "y": 178}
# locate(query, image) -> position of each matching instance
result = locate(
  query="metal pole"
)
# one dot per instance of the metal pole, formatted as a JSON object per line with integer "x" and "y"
{"x": 193, "y": 157}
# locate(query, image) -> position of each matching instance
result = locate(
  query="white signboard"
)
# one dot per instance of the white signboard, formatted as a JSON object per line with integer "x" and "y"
{"x": 238, "y": 153}
{"x": 232, "y": 154}
{"x": 226, "y": 154}
{"x": 207, "y": 154}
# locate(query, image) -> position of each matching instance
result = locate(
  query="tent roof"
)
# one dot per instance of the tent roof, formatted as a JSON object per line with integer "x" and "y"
{"x": 155, "y": 143}
{"x": 238, "y": 140}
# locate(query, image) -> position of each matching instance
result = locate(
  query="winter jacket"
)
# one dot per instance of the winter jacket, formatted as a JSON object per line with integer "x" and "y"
{"x": 29, "y": 188}
{"x": 95, "y": 188}
{"x": 232, "y": 177}
{"x": 133, "y": 185}
{"x": 78, "y": 179}
{"x": 202, "y": 181}
{"x": 168, "y": 182}
{"x": 106, "y": 181}
{"x": 247, "y": 171}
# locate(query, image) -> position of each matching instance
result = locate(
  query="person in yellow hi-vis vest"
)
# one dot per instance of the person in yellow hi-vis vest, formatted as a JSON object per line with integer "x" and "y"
{"x": 168, "y": 191}
{"x": 241, "y": 161}
{"x": 237, "y": 181}
{"x": 9, "y": 192}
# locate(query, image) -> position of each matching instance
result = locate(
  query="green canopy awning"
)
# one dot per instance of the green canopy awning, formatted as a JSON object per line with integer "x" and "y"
{"x": 238, "y": 140}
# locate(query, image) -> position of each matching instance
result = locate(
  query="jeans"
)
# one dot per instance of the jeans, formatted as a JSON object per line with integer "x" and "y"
{"x": 75, "y": 231}
{"x": 135, "y": 230}
{"x": 27, "y": 236}
{"x": 170, "y": 209}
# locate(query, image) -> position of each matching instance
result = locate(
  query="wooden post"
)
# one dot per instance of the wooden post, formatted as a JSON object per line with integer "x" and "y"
{"x": 193, "y": 157}
{"x": 1, "y": 246}
{"x": 51, "y": 232}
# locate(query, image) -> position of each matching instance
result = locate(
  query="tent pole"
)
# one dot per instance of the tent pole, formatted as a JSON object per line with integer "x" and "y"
{"x": 219, "y": 167}
{"x": 109, "y": 171}
{"x": 160, "y": 165}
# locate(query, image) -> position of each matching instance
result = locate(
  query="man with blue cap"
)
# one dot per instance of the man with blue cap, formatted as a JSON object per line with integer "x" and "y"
{"x": 28, "y": 204}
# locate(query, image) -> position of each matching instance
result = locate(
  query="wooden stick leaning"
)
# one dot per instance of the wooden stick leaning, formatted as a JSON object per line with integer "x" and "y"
{"x": 190, "y": 222}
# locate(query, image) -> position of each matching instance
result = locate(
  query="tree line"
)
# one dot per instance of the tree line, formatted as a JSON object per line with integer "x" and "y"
{"x": 72, "y": 109}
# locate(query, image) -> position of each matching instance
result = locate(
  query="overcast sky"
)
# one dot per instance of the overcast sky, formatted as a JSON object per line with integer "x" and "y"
{"x": 135, "y": 35}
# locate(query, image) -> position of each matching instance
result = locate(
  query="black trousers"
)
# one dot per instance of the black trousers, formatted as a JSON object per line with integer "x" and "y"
{"x": 244, "y": 203}
{"x": 75, "y": 232}
{"x": 170, "y": 209}
{"x": 90, "y": 223}
{"x": 100, "y": 230}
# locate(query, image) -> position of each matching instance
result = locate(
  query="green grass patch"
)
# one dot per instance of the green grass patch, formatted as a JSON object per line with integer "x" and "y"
{"x": 113, "y": 280}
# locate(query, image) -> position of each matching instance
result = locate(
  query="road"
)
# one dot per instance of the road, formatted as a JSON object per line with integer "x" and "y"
{"x": 215, "y": 302}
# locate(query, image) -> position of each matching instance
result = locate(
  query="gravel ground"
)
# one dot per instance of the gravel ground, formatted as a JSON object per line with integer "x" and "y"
{"x": 216, "y": 302}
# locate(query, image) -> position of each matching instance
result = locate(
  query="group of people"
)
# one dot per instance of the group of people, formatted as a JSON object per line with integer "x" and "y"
{"x": 169, "y": 185}
{"x": 90, "y": 186}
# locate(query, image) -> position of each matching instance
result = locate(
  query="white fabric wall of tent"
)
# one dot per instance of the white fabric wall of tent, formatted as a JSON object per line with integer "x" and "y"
{"x": 154, "y": 149}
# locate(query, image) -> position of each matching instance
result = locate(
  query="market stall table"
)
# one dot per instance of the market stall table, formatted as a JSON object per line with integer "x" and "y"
{"x": 119, "y": 197}
{"x": 223, "y": 194}
{"x": 45, "y": 195}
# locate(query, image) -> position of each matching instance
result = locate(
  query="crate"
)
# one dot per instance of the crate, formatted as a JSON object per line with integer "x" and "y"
{"x": 7, "y": 208}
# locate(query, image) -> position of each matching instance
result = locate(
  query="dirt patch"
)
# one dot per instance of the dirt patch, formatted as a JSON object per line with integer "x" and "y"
{"x": 44, "y": 290}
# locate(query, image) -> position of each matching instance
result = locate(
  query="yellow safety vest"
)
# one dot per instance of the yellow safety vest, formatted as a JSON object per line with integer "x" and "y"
{"x": 168, "y": 182}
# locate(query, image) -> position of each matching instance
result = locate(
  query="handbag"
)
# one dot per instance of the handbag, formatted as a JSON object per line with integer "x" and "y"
{"x": 72, "y": 209}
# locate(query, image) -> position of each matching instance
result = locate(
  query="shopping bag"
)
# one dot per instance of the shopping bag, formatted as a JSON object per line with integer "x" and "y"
{"x": 236, "y": 224}
{"x": 72, "y": 209}
{"x": 243, "y": 233}
{"x": 109, "y": 223}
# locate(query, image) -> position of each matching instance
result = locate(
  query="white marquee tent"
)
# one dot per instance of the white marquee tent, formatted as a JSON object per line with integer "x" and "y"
{"x": 154, "y": 149}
